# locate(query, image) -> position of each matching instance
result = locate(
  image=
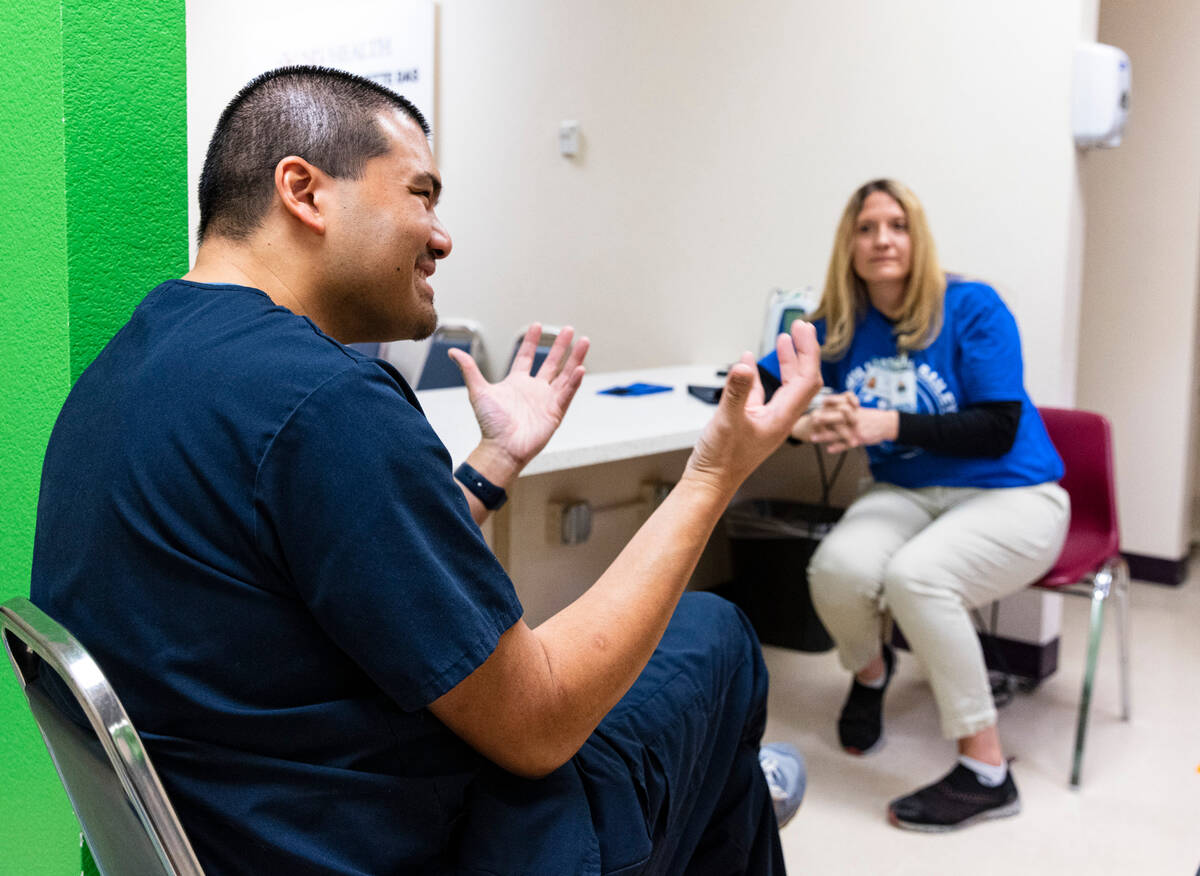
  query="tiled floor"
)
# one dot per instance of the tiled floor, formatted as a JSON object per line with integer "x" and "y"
{"x": 1138, "y": 811}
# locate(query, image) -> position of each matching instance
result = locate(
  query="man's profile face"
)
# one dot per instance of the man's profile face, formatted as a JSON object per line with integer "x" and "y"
{"x": 384, "y": 240}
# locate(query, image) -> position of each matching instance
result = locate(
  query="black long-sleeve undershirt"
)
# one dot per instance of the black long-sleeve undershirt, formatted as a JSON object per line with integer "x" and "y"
{"x": 987, "y": 429}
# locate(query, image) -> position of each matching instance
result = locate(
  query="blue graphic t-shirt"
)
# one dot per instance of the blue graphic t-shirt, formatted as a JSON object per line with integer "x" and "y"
{"x": 975, "y": 358}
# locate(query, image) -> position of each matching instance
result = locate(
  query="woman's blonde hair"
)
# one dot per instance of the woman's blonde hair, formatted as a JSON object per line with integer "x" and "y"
{"x": 844, "y": 301}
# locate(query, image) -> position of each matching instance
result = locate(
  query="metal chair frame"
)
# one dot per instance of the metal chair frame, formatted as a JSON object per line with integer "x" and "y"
{"x": 1111, "y": 579}
{"x": 34, "y": 640}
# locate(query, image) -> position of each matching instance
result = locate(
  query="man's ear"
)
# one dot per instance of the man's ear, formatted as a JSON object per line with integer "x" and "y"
{"x": 300, "y": 186}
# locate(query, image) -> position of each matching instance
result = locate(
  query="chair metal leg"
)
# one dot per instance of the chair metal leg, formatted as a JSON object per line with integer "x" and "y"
{"x": 1121, "y": 591}
{"x": 1100, "y": 589}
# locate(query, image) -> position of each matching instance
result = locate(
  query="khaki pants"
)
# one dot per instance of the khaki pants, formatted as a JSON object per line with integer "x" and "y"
{"x": 928, "y": 556}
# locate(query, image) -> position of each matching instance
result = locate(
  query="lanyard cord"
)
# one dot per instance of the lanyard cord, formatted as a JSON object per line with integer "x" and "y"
{"x": 827, "y": 482}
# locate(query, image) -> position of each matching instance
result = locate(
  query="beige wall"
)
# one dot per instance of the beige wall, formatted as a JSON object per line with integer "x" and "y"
{"x": 720, "y": 143}
{"x": 1138, "y": 325}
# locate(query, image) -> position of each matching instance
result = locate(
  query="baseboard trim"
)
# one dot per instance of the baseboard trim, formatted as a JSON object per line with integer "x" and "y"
{"x": 1023, "y": 659}
{"x": 1157, "y": 570}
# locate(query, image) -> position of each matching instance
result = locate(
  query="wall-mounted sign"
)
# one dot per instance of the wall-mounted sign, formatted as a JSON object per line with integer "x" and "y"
{"x": 388, "y": 41}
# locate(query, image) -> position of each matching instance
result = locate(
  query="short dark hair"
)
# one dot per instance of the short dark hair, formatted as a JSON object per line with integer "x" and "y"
{"x": 327, "y": 117}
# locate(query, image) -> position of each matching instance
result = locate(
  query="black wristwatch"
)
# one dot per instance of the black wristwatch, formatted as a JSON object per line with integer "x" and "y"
{"x": 484, "y": 490}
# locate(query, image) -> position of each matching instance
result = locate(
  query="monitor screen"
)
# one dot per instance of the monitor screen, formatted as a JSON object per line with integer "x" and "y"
{"x": 790, "y": 315}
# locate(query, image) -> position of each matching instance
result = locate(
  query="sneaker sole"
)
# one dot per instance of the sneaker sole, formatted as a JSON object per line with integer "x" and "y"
{"x": 999, "y": 812}
{"x": 781, "y": 823}
{"x": 867, "y": 752}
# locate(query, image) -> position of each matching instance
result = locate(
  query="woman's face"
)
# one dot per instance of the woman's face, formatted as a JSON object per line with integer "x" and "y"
{"x": 882, "y": 248}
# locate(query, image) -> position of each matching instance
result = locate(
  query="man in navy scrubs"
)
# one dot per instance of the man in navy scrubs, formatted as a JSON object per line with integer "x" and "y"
{"x": 256, "y": 533}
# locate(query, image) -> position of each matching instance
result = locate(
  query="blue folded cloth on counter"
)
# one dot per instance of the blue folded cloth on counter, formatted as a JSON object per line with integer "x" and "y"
{"x": 636, "y": 389}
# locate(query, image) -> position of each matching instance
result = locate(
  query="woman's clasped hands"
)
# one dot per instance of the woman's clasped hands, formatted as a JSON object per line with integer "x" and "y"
{"x": 841, "y": 423}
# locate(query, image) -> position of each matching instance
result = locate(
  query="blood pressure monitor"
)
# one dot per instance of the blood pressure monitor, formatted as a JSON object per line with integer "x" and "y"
{"x": 783, "y": 308}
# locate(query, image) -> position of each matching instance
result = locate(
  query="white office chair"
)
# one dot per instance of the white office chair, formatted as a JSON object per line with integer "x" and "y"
{"x": 549, "y": 336}
{"x": 130, "y": 826}
{"x": 425, "y": 364}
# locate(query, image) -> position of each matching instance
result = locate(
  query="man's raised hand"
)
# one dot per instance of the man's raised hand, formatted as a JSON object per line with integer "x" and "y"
{"x": 744, "y": 430}
{"x": 519, "y": 414}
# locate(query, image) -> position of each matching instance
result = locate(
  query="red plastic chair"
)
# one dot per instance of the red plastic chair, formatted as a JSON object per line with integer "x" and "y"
{"x": 1090, "y": 564}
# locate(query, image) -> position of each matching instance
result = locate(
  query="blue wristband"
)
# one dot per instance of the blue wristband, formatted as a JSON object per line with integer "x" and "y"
{"x": 484, "y": 490}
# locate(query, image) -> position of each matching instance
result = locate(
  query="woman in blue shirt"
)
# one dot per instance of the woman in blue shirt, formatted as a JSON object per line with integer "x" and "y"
{"x": 925, "y": 371}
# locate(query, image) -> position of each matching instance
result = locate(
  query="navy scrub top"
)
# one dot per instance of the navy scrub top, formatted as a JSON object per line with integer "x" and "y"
{"x": 255, "y": 532}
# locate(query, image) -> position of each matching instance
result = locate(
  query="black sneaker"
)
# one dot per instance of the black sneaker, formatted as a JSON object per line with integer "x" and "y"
{"x": 957, "y": 800}
{"x": 860, "y": 726}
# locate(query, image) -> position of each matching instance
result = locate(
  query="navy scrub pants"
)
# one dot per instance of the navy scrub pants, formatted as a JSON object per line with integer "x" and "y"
{"x": 669, "y": 783}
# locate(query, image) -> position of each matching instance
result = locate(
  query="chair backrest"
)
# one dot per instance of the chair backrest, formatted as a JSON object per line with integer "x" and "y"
{"x": 425, "y": 363}
{"x": 440, "y": 371}
{"x": 1084, "y": 441}
{"x": 130, "y": 826}
{"x": 367, "y": 348}
{"x": 545, "y": 342}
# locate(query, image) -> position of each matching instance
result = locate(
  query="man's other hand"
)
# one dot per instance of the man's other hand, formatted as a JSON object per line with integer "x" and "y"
{"x": 519, "y": 414}
{"x": 744, "y": 430}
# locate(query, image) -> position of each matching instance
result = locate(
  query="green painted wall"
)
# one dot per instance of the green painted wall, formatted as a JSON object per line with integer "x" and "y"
{"x": 37, "y": 833}
{"x": 125, "y": 97}
{"x": 93, "y": 167}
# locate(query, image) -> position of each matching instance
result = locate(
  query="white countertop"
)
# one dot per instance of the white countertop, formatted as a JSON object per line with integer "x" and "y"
{"x": 597, "y": 428}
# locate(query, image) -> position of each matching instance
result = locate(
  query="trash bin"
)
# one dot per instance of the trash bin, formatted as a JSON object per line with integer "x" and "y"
{"x": 771, "y": 542}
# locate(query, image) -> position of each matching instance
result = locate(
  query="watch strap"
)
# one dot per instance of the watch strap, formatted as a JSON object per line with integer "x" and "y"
{"x": 484, "y": 490}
